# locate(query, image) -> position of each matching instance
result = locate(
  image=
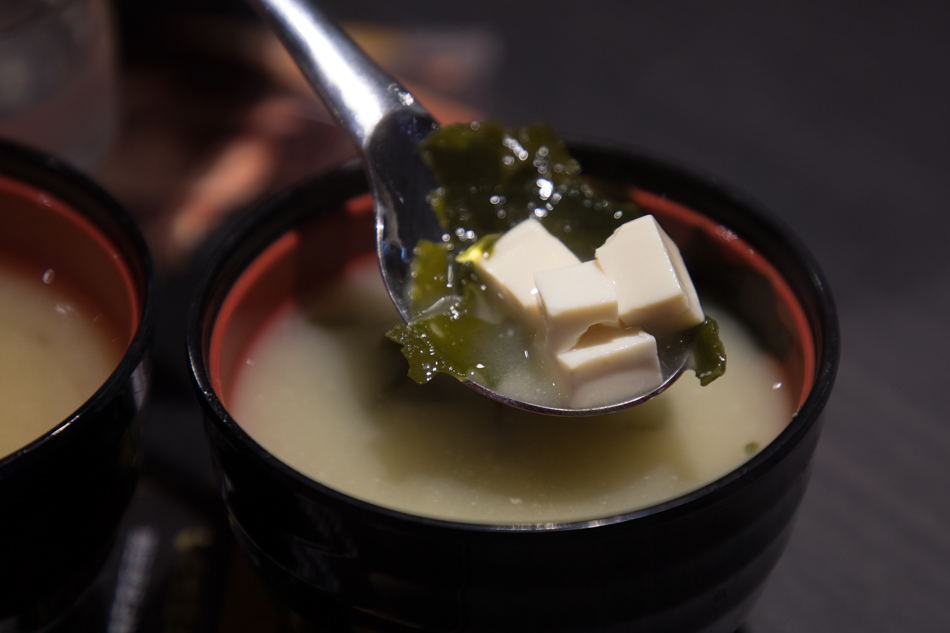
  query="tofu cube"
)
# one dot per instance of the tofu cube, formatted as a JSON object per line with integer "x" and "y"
{"x": 654, "y": 290}
{"x": 572, "y": 299}
{"x": 610, "y": 365}
{"x": 509, "y": 267}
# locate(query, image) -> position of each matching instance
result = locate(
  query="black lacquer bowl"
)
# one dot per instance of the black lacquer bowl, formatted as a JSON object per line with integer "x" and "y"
{"x": 695, "y": 563}
{"x": 62, "y": 496}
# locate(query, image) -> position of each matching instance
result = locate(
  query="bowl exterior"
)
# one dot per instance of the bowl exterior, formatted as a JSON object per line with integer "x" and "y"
{"x": 695, "y": 567}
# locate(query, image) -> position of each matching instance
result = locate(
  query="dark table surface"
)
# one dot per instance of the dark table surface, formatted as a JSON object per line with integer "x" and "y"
{"x": 835, "y": 115}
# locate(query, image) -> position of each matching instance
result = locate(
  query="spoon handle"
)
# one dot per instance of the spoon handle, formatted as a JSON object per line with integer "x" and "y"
{"x": 359, "y": 94}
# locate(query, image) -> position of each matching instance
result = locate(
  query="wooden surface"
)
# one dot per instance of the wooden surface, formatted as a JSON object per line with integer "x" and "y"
{"x": 834, "y": 114}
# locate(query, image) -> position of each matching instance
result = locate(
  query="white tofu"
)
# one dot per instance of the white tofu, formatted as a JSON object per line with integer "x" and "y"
{"x": 654, "y": 290}
{"x": 571, "y": 300}
{"x": 610, "y": 366}
{"x": 509, "y": 269}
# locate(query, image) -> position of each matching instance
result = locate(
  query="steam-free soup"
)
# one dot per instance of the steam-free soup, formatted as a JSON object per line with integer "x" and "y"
{"x": 55, "y": 352}
{"x": 323, "y": 391}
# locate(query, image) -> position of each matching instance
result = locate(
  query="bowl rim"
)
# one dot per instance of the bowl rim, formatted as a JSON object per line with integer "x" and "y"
{"x": 262, "y": 227}
{"x": 77, "y": 190}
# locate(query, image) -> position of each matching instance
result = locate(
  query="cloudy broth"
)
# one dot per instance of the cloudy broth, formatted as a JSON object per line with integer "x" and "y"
{"x": 326, "y": 393}
{"x": 55, "y": 352}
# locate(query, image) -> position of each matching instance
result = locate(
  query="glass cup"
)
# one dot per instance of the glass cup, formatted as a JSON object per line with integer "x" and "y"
{"x": 58, "y": 77}
{"x": 695, "y": 561}
{"x": 66, "y": 479}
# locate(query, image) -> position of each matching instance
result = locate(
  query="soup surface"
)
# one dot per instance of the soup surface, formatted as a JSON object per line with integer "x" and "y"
{"x": 325, "y": 392}
{"x": 54, "y": 353}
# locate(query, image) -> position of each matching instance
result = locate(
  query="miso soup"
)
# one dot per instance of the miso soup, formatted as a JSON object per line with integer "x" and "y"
{"x": 56, "y": 350}
{"x": 325, "y": 392}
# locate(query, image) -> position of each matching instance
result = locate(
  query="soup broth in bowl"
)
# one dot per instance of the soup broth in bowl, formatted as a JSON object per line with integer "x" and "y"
{"x": 367, "y": 500}
{"x": 57, "y": 351}
{"x": 75, "y": 277}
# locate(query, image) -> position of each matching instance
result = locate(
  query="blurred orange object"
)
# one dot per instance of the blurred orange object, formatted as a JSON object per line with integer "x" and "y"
{"x": 222, "y": 121}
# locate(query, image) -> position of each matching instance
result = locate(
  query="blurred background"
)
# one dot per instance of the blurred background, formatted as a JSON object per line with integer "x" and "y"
{"x": 834, "y": 114}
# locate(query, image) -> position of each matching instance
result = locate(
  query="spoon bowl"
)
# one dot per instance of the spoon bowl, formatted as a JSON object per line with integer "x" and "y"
{"x": 386, "y": 123}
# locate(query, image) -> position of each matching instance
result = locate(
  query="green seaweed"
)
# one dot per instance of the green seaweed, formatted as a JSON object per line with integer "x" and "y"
{"x": 709, "y": 354}
{"x": 491, "y": 178}
{"x": 443, "y": 342}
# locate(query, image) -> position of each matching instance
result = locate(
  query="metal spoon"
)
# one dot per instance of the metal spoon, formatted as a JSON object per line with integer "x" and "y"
{"x": 386, "y": 124}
